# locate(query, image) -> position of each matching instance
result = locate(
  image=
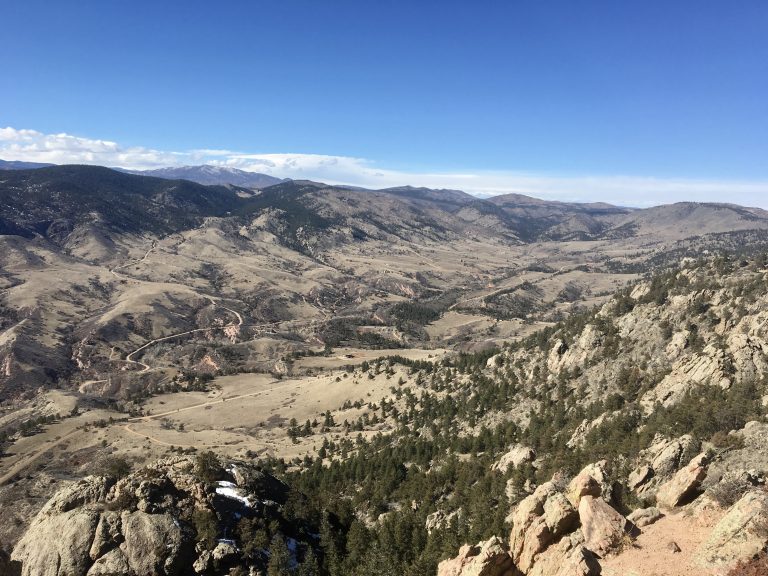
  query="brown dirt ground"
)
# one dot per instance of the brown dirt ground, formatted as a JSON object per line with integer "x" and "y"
{"x": 650, "y": 556}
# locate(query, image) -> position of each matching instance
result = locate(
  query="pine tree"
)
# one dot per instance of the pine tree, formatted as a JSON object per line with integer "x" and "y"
{"x": 309, "y": 566}
{"x": 279, "y": 558}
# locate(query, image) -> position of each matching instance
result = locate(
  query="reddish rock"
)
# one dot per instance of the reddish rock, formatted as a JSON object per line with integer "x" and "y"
{"x": 489, "y": 558}
{"x": 685, "y": 484}
{"x": 603, "y": 527}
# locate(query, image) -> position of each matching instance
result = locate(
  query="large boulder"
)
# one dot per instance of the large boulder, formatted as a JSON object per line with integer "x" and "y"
{"x": 667, "y": 455}
{"x": 538, "y": 537}
{"x": 739, "y": 535}
{"x": 57, "y": 544}
{"x": 540, "y": 520}
{"x": 569, "y": 557}
{"x": 603, "y": 527}
{"x": 528, "y": 526}
{"x": 593, "y": 480}
{"x": 659, "y": 462}
{"x": 639, "y": 476}
{"x": 161, "y": 534}
{"x": 559, "y": 515}
{"x": 489, "y": 558}
{"x": 59, "y": 539}
{"x": 685, "y": 484}
{"x": 224, "y": 552}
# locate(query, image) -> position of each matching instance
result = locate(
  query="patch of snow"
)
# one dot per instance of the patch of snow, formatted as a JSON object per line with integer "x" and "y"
{"x": 230, "y": 490}
{"x": 226, "y": 541}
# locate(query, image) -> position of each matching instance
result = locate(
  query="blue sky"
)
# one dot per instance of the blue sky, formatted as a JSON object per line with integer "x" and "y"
{"x": 580, "y": 97}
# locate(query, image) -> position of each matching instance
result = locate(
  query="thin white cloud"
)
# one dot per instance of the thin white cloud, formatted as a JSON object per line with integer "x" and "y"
{"x": 34, "y": 146}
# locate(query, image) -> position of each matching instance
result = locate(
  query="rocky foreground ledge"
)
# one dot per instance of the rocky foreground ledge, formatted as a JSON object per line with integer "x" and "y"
{"x": 575, "y": 528}
{"x": 173, "y": 517}
{"x": 196, "y": 516}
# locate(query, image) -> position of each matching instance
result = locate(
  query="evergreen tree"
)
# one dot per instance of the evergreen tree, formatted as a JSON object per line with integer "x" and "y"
{"x": 279, "y": 558}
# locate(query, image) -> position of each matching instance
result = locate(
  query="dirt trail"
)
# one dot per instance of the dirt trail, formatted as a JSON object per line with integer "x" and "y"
{"x": 147, "y": 367}
{"x": 114, "y": 269}
{"x": 651, "y": 555}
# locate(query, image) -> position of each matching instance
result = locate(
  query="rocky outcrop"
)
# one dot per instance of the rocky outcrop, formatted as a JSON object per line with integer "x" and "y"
{"x": 741, "y": 534}
{"x": 564, "y": 357}
{"x": 685, "y": 484}
{"x": 439, "y": 520}
{"x": 530, "y": 534}
{"x": 706, "y": 367}
{"x": 515, "y": 456}
{"x": 57, "y": 545}
{"x": 489, "y": 558}
{"x": 603, "y": 527}
{"x": 658, "y": 463}
{"x": 579, "y": 435}
{"x": 666, "y": 456}
{"x": 749, "y": 459}
{"x": 559, "y": 516}
{"x": 145, "y": 524}
{"x": 569, "y": 557}
{"x": 677, "y": 344}
{"x": 639, "y": 476}
{"x": 550, "y": 536}
{"x": 74, "y": 534}
{"x": 593, "y": 480}
{"x": 748, "y": 353}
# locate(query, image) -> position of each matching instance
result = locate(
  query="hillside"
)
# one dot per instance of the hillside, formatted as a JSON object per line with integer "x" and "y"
{"x": 630, "y": 393}
{"x": 642, "y": 421}
{"x": 559, "y": 220}
{"x": 69, "y": 196}
{"x": 112, "y": 282}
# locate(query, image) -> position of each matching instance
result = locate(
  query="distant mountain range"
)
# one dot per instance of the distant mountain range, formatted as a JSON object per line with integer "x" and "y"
{"x": 31, "y": 200}
{"x": 204, "y": 174}
{"x": 207, "y": 174}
